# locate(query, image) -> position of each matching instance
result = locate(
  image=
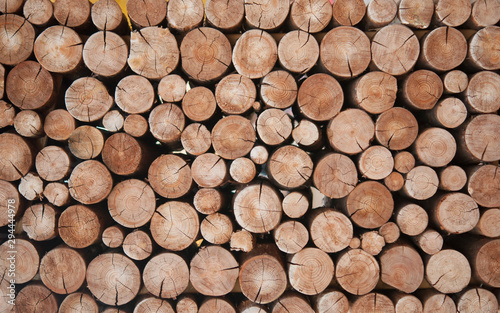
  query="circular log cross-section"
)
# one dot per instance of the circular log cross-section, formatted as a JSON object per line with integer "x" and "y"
{"x": 113, "y": 279}
{"x": 59, "y": 124}
{"x": 113, "y": 121}
{"x": 183, "y": 16}
{"x": 52, "y": 163}
{"x": 233, "y": 137}
{"x": 266, "y": 15}
{"x": 86, "y": 142}
{"x": 199, "y": 104}
{"x": 396, "y": 128}
{"x": 331, "y": 300}
{"x": 292, "y": 302}
{"x": 484, "y": 13}
{"x": 132, "y": 203}
{"x": 416, "y": 14}
{"x": 374, "y": 92}
{"x": 57, "y": 194}
{"x": 449, "y": 113}
{"x": 242, "y": 240}
{"x": 295, "y": 204}
{"x": 421, "y": 183}
{"x": 216, "y": 228}
{"x": 422, "y": 89}
{"x": 105, "y": 53}
{"x": 373, "y": 302}
{"x": 395, "y": 49}
{"x": 35, "y": 297}
{"x": 107, "y": 15}
{"x": 63, "y": 270}
{"x": 443, "y": 43}
{"x": 452, "y": 13}
{"x": 80, "y": 226}
{"x": 430, "y": 241}
{"x": 40, "y": 222}
{"x": 166, "y": 122}
{"x": 452, "y": 178}
{"x": 412, "y": 219}
{"x": 405, "y": 303}
{"x": 435, "y": 147}
{"x": 16, "y": 157}
{"x": 394, "y": 181}
{"x": 290, "y": 167}
{"x": 331, "y": 231}
{"x": 146, "y": 13}
{"x": 483, "y": 49}
{"x": 27, "y": 260}
{"x": 479, "y": 138}
{"x": 401, "y": 267}
{"x": 123, "y": 154}
{"x": 310, "y": 16}
{"x": 255, "y": 53}
{"x": 345, "y": 51}
{"x": 485, "y": 261}
{"x": 216, "y": 305}
{"x": 59, "y": 49}
{"x": 225, "y": 15}
{"x": 487, "y": 225}
{"x": 38, "y": 12}
{"x": 257, "y": 208}
{"x": 448, "y": 271}
{"x": 455, "y": 82}
{"x": 242, "y": 170}
{"x": 135, "y": 125}
{"x": 335, "y": 175}
{"x": 16, "y": 39}
{"x": 348, "y": 12}
{"x": 10, "y": 6}
{"x": 274, "y": 126}
{"x": 478, "y": 300}
{"x": 208, "y": 201}
{"x": 380, "y": 13}
{"x": 138, "y": 245}
{"x": 205, "y": 53}
{"x": 456, "y": 213}
{"x": 291, "y": 236}
{"x": 320, "y": 97}
{"x": 113, "y": 236}
{"x": 134, "y": 94}
{"x": 357, "y": 272}
{"x": 372, "y": 242}
{"x": 28, "y": 123}
{"x": 298, "y": 51}
{"x": 186, "y": 304}
{"x": 235, "y": 94}
{"x": 278, "y": 89}
{"x": 175, "y": 225}
{"x": 166, "y": 275}
{"x": 72, "y": 13}
{"x": 90, "y": 182}
{"x": 153, "y": 51}
{"x": 351, "y": 131}
{"x": 214, "y": 271}
{"x": 195, "y": 139}
{"x": 259, "y": 155}
{"x": 87, "y": 99}
{"x": 209, "y": 170}
{"x": 79, "y": 302}
{"x": 404, "y": 161}
{"x": 390, "y": 231}
{"x": 147, "y": 304}
{"x": 483, "y": 92}
{"x": 307, "y": 135}
{"x": 310, "y": 271}
{"x": 172, "y": 88}
{"x": 31, "y": 187}
{"x": 376, "y": 162}
{"x": 370, "y": 204}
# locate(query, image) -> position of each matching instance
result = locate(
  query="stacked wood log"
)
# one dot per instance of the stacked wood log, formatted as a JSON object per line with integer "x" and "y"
{"x": 249, "y": 156}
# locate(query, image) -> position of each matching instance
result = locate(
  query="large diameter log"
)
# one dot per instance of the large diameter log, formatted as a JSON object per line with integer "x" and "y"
{"x": 87, "y": 99}
{"x": 310, "y": 271}
{"x": 278, "y": 89}
{"x": 292, "y": 302}
{"x": 90, "y": 182}
{"x": 345, "y": 51}
{"x": 396, "y": 128}
{"x": 412, "y": 219}
{"x": 81, "y": 226}
{"x": 484, "y": 13}
{"x": 86, "y": 142}
{"x": 153, "y": 52}
{"x": 216, "y": 228}
{"x": 38, "y": 12}
{"x": 214, "y": 271}
{"x": 435, "y": 147}
{"x": 166, "y": 123}
{"x": 448, "y": 271}
{"x": 166, "y": 275}
{"x": 52, "y": 163}
{"x": 40, "y": 222}
{"x": 146, "y": 13}
{"x": 380, "y": 13}
{"x": 290, "y": 167}
{"x": 113, "y": 279}
{"x": 310, "y": 16}
{"x": 421, "y": 183}
{"x": 351, "y": 131}
{"x": 16, "y": 38}
{"x": 59, "y": 124}
{"x": 132, "y": 203}
{"x": 401, "y": 267}
{"x": 107, "y": 15}
{"x": 235, "y": 94}
{"x": 483, "y": 92}
{"x": 266, "y": 15}
{"x": 449, "y": 113}
{"x": 395, "y": 49}
{"x": 27, "y": 260}
{"x": 199, "y": 104}
{"x": 320, "y": 97}
{"x": 478, "y": 139}
{"x": 124, "y": 155}
{"x": 430, "y": 241}
{"x": 63, "y": 270}
{"x": 477, "y": 300}
{"x": 331, "y": 231}
{"x": 72, "y": 13}
{"x": 257, "y": 207}
{"x": 443, "y": 43}
{"x": 10, "y": 6}
{"x": 298, "y": 51}
{"x": 183, "y": 16}
{"x": 422, "y": 89}
{"x": 255, "y": 53}
{"x": 105, "y": 54}
{"x": 373, "y": 302}
{"x": 455, "y": 213}
{"x": 484, "y": 257}
{"x": 35, "y": 297}
{"x": 483, "y": 49}
{"x": 330, "y": 301}
{"x": 452, "y": 13}
{"x": 375, "y": 92}
{"x": 28, "y": 123}
{"x": 227, "y": 16}
{"x": 488, "y": 223}
{"x": 233, "y": 137}
{"x": 335, "y": 175}
{"x": 206, "y": 54}
{"x": 291, "y": 236}
{"x": 357, "y": 272}
{"x": 16, "y": 157}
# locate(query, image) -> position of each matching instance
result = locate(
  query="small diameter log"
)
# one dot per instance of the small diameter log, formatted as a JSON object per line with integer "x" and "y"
{"x": 200, "y": 60}
{"x": 105, "y": 54}
{"x": 175, "y": 225}
{"x": 390, "y": 231}
{"x": 124, "y": 155}
{"x": 209, "y": 170}
{"x": 8, "y": 111}
{"x": 298, "y": 51}
{"x": 113, "y": 121}
{"x": 59, "y": 125}
{"x": 262, "y": 275}
{"x": 255, "y": 52}
{"x": 307, "y": 135}
{"x": 259, "y": 155}
{"x": 166, "y": 275}
{"x": 183, "y": 16}
{"x": 154, "y": 52}
{"x": 345, "y": 51}
{"x": 376, "y": 162}
{"x": 214, "y": 271}
{"x": 405, "y": 303}
{"x": 16, "y": 38}
{"x": 146, "y": 13}
{"x": 86, "y": 142}
{"x": 135, "y": 125}
{"x": 396, "y": 129}
{"x": 295, "y": 204}
{"x": 208, "y": 200}
{"x": 16, "y": 157}
{"x": 149, "y": 304}
{"x": 132, "y": 203}
{"x": 235, "y": 94}
{"x": 38, "y": 12}
{"x": 401, "y": 267}
{"x": 320, "y": 97}
{"x": 113, "y": 236}
{"x": 278, "y": 89}
{"x": 434, "y": 301}
{"x": 477, "y": 300}
{"x": 421, "y": 183}
{"x": 29, "y": 86}
{"x": 264, "y": 15}
{"x": 27, "y": 260}
{"x": 28, "y": 123}
{"x": 335, "y": 175}
{"x": 455, "y": 213}
{"x": 226, "y": 16}
{"x": 57, "y": 194}
{"x": 291, "y": 236}
{"x": 52, "y": 163}
{"x": 35, "y": 297}
{"x": 430, "y": 241}
{"x": 455, "y": 82}
{"x": 172, "y": 88}
{"x": 249, "y": 306}
{"x": 186, "y": 304}
{"x": 357, "y": 272}
{"x": 483, "y": 92}
{"x": 310, "y": 271}
{"x": 488, "y": 223}
{"x": 372, "y": 242}
{"x": 380, "y": 13}
{"x": 478, "y": 139}
{"x": 40, "y": 222}
{"x": 289, "y": 167}
{"x": 373, "y": 302}
{"x": 422, "y": 89}
{"x": 199, "y": 104}
{"x": 59, "y": 49}
{"x": 404, "y": 162}
{"x": 484, "y": 13}
{"x": 166, "y": 123}
{"x": 216, "y": 228}
{"x": 72, "y": 13}
{"x": 331, "y": 301}
{"x": 448, "y": 271}
{"x": 310, "y": 16}
{"x": 90, "y": 182}
{"x": 395, "y": 49}
{"x": 484, "y": 259}
{"x": 257, "y": 208}
{"x": 443, "y": 43}
{"x": 10, "y": 202}
{"x": 416, "y": 14}
{"x": 113, "y": 279}
{"x": 374, "y": 92}
{"x": 79, "y": 302}
{"x": 138, "y": 245}
{"x": 331, "y": 231}
{"x": 134, "y": 94}
{"x": 107, "y": 15}
{"x": 63, "y": 270}
{"x": 369, "y": 205}
{"x": 87, "y": 99}
{"x": 31, "y": 187}
{"x": 80, "y": 226}
{"x": 217, "y": 305}
{"x": 348, "y": 13}
{"x": 242, "y": 170}
{"x": 292, "y": 302}
{"x": 435, "y": 147}
{"x": 412, "y": 219}
{"x": 394, "y": 181}
{"x": 449, "y": 113}
{"x": 233, "y": 137}
{"x": 452, "y": 13}
{"x": 483, "y": 49}
{"x": 242, "y": 240}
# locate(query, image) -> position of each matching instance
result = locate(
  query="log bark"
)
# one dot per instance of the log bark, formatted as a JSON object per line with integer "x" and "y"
{"x": 380, "y": 13}
{"x": 90, "y": 182}
{"x": 72, "y": 13}
{"x": 255, "y": 53}
{"x": 235, "y": 94}
{"x": 79, "y": 302}
{"x": 310, "y": 16}
{"x": 27, "y": 260}
{"x": 226, "y": 16}
{"x": 31, "y": 187}
{"x": 138, "y": 245}
{"x": 199, "y": 104}
{"x": 166, "y": 275}
{"x": 376, "y": 162}
{"x": 331, "y": 231}
{"x": 105, "y": 54}
{"x": 38, "y": 12}
{"x": 404, "y": 303}
{"x": 422, "y": 89}
{"x": 216, "y": 228}
{"x": 357, "y": 272}
{"x": 454, "y": 82}
{"x": 488, "y": 222}
{"x": 87, "y": 99}
{"x": 390, "y": 231}
{"x": 124, "y": 155}
{"x": 214, "y": 271}
{"x": 452, "y": 13}
{"x": 435, "y": 147}
{"x": 107, "y": 15}
{"x": 208, "y": 201}
{"x": 8, "y": 111}
{"x": 298, "y": 51}
{"x": 448, "y": 271}
{"x": 175, "y": 225}
{"x": 372, "y": 242}
{"x": 113, "y": 236}
{"x": 455, "y": 213}
{"x": 310, "y": 271}
{"x": 186, "y": 304}
{"x": 430, "y": 241}
{"x": 448, "y": 113}
{"x": 291, "y": 236}
{"x": 134, "y": 94}
{"x": 421, "y": 183}
{"x": 483, "y": 46}
{"x": 16, "y": 38}
{"x": 172, "y": 88}
{"x": 412, "y": 219}
{"x": 289, "y": 167}
{"x": 144, "y": 14}
{"x": 320, "y": 97}
{"x": 335, "y": 175}
{"x": 233, "y": 137}
{"x": 484, "y": 13}
{"x": 242, "y": 170}
{"x": 416, "y": 14}
{"x": 404, "y": 162}
{"x": 166, "y": 123}
{"x": 330, "y": 301}
{"x": 63, "y": 270}
{"x": 292, "y": 302}
{"x": 242, "y": 240}
{"x": 348, "y": 13}
{"x": 28, "y": 123}
{"x": 59, "y": 125}
{"x": 264, "y": 15}
{"x": 394, "y": 181}
{"x": 396, "y": 128}
{"x": 434, "y": 301}
{"x": 483, "y": 92}
{"x": 373, "y": 302}
{"x": 135, "y": 125}
{"x": 113, "y": 279}
{"x": 345, "y": 51}
{"x": 183, "y": 16}
{"x": 209, "y": 170}
{"x": 40, "y": 222}
{"x": 52, "y": 163}
{"x": 401, "y": 267}
{"x": 477, "y": 139}
{"x": 86, "y": 142}
{"x": 81, "y": 226}
{"x": 35, "y": 297}
{"x": 259, "y": 154}
{"x": 57, "y": 194}
{"x": 443, "y": 43}
{"x": 374, "y": 92}
{"x": 477, "y": 299}
{"x": 16, "y": 157}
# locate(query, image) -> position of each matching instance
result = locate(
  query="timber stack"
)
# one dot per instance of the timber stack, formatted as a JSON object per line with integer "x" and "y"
{"x": 249, "y": 156}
